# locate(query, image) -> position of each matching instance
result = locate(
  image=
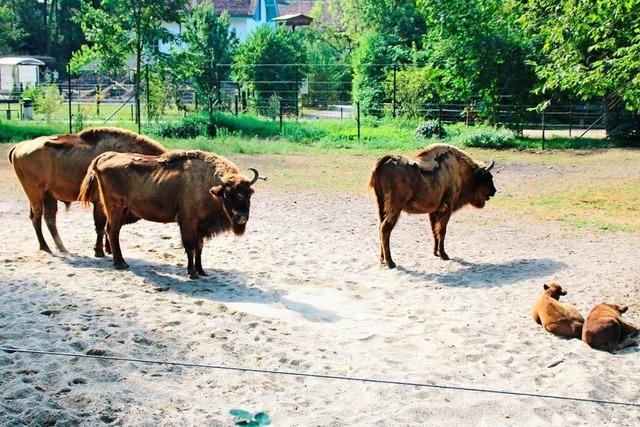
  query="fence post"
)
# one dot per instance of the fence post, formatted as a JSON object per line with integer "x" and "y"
{"x": 236, "y": 104}
{"x": 439, "y": 119}
{"x": 69, "y": 91}
{"x": 395, "y": 90}
{"x": 280, "y": 116}
{"x": 341, "y": 113}
{"x": 543, "y": 129}
{"x": 147, "y": 90}
{"x": 195, "y": 100}
{"x": 358, "y": 118}
{"x": 570, "y": 120}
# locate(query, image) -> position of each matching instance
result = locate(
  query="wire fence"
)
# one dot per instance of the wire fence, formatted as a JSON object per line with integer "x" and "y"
{"x": 312, "y": 91}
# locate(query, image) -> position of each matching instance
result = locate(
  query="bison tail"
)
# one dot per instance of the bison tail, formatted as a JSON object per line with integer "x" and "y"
{"x": 376, "y": 185}
{"x": 11, "y": 154}
{"x": 89, "y": 187}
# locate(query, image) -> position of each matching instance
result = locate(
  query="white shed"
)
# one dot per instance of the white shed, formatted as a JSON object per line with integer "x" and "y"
{"x": 19, "y": 70}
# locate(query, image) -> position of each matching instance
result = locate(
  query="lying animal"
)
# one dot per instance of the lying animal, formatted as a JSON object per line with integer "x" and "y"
{"x": 203, "y": 192}
{"x": 555, "y": 317}
{"x": 604, "y": 328}
{"x": 438, "y": 181}
{"x": 51, "y": 169}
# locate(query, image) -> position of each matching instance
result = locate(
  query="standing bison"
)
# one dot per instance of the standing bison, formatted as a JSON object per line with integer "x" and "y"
{"x": 51, "y": 169}
{"x": 203, "y": 192}
{"x": 438, "y": 181}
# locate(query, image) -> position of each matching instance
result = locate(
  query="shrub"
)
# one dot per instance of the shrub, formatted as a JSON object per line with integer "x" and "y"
{"x": 189, "y": 127}
{"x": 489, "y": 138}
{"x": 430, "y": 129}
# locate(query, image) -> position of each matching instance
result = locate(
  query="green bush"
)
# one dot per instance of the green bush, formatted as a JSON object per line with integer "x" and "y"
{"x": 430, "y": 129}
{"x": 489, "y": 138}
{"x": 188, "y": 127}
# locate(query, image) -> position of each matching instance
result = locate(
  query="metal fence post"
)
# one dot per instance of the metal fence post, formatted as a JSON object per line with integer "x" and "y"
{"x": 543, "y": 129}
{"x": 236, "y": 104}
{"x": 358, "y": 118}
{"x": 147, "y": 90}
{"x": 439, "y": 118}
{"x": 395, "y": 90}
{"x": 280, "y": 116}
{"x": 69, "y": 91}
{"x": 570, "y": 120}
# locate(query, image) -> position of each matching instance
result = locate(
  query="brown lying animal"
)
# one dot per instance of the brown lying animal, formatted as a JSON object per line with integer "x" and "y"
{"x": 51, "y": 169}
{"x": 203, "y": 192}
{"x": 555, "y": 317}
{"x": 438, "y": 181}
{"x": 604, "y": 328}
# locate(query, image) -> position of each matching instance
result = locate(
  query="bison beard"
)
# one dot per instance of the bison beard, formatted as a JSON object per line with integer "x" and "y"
{"x": 203, "y": 192}
{"x": 438, "y": 181}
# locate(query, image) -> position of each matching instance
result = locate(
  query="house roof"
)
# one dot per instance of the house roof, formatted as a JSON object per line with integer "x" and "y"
{"x": 294, "y": 7}
{"x": 20, "y": 60}
{"x": 294, "y": 19}
{"x": 235, "y": 7}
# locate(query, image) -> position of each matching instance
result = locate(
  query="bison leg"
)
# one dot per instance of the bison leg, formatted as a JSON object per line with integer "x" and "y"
{"x": 628, "y": 330}
{"x": 50, "y": 212}
{"x": 115, "y": 217}
{"x": 35, "y": 213}
{"x": 439, "y": 223}
{"x": 189, "y": 242}
{"x": 100, "y": 221}
{"x": 386, "y": 227}
{"x": 199, "y": 246}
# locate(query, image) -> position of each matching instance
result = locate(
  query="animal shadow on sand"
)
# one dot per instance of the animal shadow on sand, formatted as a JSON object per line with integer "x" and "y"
{"x": 230, "y": 286}
{"x": 489, "y": 275}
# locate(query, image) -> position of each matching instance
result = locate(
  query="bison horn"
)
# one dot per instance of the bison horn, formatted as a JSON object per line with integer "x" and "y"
{"x": 488, "y": 168}
{"x": 219, "y": 176}
{"x": 255, "y": 176}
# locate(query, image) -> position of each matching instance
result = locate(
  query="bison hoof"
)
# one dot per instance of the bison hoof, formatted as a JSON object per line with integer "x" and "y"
{"x": 120, "y": 265}
{"x": 390, "y": 265}
{"x": 99, "y": 254}
{"x": 202, "y": 273}
{"x": 194, "y": 276}
{"x": 444, "y": 257}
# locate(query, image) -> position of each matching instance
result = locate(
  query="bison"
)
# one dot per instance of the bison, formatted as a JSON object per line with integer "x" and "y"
{"x": 604, "y": 328}
{"x": 203, "y": 192}
{"x": 555, "y": 317}
{"x": 438, "y": 181}
{"x": 51, "y": 169}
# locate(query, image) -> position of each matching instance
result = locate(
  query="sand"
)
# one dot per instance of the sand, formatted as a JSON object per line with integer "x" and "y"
{"x": 302, "y": 291}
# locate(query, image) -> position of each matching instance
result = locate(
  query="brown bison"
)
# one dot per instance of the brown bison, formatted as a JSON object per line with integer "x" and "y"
{"x": 438, "y": 181}
{"x": 604, "y": 328}
{"x": 51, "y": 169}
{"x": 555, "y": 317}
{"x": 203, "y": 192}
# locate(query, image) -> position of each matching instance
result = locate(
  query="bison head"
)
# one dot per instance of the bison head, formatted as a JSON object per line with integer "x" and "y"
{"x": 619, "y": 308}
{"x": 554, "y": 290}
{"x": 484, "y": 188}
{"x": 235, "y": 193}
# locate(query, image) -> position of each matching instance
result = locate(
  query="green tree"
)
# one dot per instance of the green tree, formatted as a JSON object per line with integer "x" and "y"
{"x": 119, "y": 28}
{"x": 12, "y": 34}
{"x": 480, "y": 51}
{"x": 590, "y": 50}
{"x": 271, "y": 61}
{"x": 49, "y": 101}
{"x": 372, "y": 60}
{"x": 206, "y": 42}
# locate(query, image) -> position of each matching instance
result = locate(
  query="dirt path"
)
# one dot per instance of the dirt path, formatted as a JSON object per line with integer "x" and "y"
{"x": 303, "y": 292}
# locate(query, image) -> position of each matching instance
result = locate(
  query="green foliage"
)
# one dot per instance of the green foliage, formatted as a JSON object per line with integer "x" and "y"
{"x": 371, "y": 62}
{"x": 253, "y": 66}
{"x": 207, "y": 41}
{"x": 49, "y": 101}
{"x": 190, "y": 126}
{"x": 16, "y": 131}
{"x": 489, "y": 138}
{"x": 244, "y": 418}
{"x": 430, "y": 129}
{"x": 588, "y": 49}
{"x": 416, "y": 87}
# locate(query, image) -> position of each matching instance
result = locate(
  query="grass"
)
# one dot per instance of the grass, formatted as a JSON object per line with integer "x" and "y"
{"x": 579, "y": 182}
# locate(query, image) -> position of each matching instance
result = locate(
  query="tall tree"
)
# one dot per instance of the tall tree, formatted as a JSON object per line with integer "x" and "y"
{"x": 118, "y": 28}
{"x": 207, "y": 41}
{"x": 269, "y": 63}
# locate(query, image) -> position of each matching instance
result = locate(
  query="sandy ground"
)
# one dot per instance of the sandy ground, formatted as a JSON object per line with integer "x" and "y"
{"x": 302, "y": 292}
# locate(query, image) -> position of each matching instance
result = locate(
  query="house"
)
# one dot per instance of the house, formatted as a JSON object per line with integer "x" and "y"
{"x": 247, "y": 15}
{"x": 20, "y": 72}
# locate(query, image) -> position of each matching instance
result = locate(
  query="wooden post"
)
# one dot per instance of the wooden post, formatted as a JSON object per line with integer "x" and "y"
{"x": 570, "y": 120}
{"x": 236, "y": 104}
{"x": 358, "y": 118}
{"x": 395, "y": 90}
{"x": 69, "y": 90}
{"x": 281, "y": 113}
{"x": 543, "y": 129}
